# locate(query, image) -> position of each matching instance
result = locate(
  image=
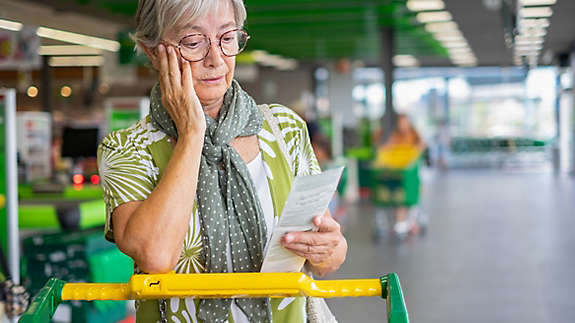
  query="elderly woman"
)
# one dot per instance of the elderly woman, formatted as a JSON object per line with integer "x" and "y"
{"x": 197, "y": 185}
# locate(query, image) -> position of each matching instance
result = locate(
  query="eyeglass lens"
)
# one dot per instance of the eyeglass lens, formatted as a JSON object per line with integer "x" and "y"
{"x": 195, "y": 47}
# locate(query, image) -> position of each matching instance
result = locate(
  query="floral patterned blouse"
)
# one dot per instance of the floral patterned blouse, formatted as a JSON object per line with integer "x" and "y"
{"x": 132, "y": 161}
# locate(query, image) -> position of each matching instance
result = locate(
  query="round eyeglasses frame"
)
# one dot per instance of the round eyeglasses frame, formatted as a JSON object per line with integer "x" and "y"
{"x": 179, "y": 45}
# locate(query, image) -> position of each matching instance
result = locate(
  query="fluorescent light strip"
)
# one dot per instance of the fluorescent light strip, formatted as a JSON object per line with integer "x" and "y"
{"x": 80, "y": 39}
{"x": 433, "y": 16}
{"x": 405, "y": 61}
{"x": 529, "y": 38}
{"x": 68, "y": 50}
{"x": 450, "y": 39}
{"x": 527, "y": 50}
{"x": 424, "y": 5}
{"x": 536, "y": 12}
{"x": 448, "y": 33}
{"x": 10, "y": 25}
{"x": 277, "y": 61}
{"x": 455, "y": 44}
{"x": 441, "y": 26}
{"x": 66, "y": 61}
{"x": 539, "y": 35}
{"x": 541, "y": 22}
{"x": 528, "y": 42}
{"x": 66, "y": 36}
{"x": 538, "y": 2}
{"x": 529, "y": 46}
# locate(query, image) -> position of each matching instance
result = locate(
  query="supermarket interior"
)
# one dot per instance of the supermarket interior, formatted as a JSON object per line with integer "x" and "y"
{"x": 445, "y": 130}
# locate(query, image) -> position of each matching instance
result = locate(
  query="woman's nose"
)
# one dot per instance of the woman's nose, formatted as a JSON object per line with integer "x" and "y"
{"x": 215, "y": 55}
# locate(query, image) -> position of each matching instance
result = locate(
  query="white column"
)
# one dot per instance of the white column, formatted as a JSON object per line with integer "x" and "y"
{"x": 12, "y": 185}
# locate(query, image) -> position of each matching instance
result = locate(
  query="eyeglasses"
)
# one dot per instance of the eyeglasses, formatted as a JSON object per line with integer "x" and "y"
{"x": 195, "y": 47}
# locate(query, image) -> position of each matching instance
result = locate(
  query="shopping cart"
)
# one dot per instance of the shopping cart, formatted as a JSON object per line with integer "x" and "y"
{"x": 217, "y": 286}
{"x": 395, "y": 187}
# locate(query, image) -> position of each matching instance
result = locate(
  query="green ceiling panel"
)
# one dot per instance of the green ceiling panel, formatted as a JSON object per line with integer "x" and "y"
{"x": 322, "y": 29}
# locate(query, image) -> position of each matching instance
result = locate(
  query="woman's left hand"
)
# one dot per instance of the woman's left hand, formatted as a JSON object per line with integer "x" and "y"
{"x": 325, "y": 249}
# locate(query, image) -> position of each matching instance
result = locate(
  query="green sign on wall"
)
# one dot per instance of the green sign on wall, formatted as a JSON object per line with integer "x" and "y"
{"x": 121, "y": 119}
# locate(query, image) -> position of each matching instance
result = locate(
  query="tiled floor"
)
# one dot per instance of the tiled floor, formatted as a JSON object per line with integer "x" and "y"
{"x": 500, "y": 248}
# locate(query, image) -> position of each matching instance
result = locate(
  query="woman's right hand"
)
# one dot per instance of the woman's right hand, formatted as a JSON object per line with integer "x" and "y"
{"x": 178, "y": 94}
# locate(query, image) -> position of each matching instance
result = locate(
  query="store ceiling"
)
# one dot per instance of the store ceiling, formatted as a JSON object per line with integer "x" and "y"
{"x": 307, "y": 30}
{"x": 483, "y": 28}
{"x": 328, "y": 29}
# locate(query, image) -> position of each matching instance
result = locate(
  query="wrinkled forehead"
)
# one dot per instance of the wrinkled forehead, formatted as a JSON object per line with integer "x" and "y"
{"x": 210, "y": 19}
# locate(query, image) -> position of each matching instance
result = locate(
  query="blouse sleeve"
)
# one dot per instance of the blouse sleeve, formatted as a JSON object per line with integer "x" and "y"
{"x": 307, "y": 163}
{"x": 125, "y": 172}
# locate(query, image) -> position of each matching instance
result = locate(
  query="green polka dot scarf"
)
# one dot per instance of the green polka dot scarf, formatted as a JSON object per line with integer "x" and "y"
{"x": 228, "y": 205}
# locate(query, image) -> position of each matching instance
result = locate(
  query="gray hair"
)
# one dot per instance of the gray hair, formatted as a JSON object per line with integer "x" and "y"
{"x": 154, "y": 17}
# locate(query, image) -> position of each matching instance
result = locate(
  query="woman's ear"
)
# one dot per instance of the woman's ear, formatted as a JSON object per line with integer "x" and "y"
{"x": 152, "y": 55}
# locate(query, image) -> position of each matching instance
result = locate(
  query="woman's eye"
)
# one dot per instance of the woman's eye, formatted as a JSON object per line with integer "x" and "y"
{"x": 228, "y": 39}
{"x": 192, "y": 45}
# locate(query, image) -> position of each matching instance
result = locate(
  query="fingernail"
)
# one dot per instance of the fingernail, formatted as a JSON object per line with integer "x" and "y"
{"x": 317, "y": 220}
{"x": 161, "y": 47}
{"x": 288, "y": 238}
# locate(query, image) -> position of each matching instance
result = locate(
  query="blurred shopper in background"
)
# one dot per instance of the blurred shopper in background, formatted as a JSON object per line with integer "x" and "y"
{"x": 404, "y": 135}
{"x": 189, "y": 187}
{"x": 403, "y": 147}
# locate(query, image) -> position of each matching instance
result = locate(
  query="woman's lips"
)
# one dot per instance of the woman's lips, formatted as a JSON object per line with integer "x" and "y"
{"x": 213, "y": 80}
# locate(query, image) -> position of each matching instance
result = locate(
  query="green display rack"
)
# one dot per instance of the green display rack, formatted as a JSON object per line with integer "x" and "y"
{"x": 83, "y": 256}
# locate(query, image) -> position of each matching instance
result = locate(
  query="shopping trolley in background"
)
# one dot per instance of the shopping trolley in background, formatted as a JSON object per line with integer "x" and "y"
{"x": 395, "y": 187}
{"x": 217, "y": 286}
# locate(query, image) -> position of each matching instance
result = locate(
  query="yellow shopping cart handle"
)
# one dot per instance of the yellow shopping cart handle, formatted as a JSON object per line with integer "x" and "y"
{"x": 225, "y": 285}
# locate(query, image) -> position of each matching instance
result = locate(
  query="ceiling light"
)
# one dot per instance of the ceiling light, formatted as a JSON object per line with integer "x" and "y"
{"x": 423, "y": 5}
{"x": 538, "y": 2}
{"x": 533, "y": 33}
{"x": 470, "y": 61}
{"x": 264, "y": 58}
{"x": 80, "y": 39}
{"x": 448, "y": 33}
{"x": 66, "y": 91}
{"x": 436, "y": 27}
{"x": 541, "y": 22}
{"x": 459, "y": 50}
{"x": 61, "y": 61}
{"x": 32, "y": 91}
{"x": 405, "y": 61}
{"x": 67, "y": 50}
{"x": 450, "y": 39}
{"x": 536, "y": 12}
{"x": 10, "y": 25}
{"x": 433, "y": 16}
{"x": 528, "y": 38}
{"x": 529, "y": 46}
{"x": 524, "y": 41}
{"x": 454, "y": 44}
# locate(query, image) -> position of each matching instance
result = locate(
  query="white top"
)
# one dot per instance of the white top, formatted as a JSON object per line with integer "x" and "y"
{"x": 259, "y": 177}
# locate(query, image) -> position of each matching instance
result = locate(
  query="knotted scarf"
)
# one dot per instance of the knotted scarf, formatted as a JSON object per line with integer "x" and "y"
{"x": 228, "y": 205}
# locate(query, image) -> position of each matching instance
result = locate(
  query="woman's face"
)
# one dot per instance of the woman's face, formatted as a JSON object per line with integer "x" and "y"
{"x": 403, "y": 124}
{"x": 213, "y": 75}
